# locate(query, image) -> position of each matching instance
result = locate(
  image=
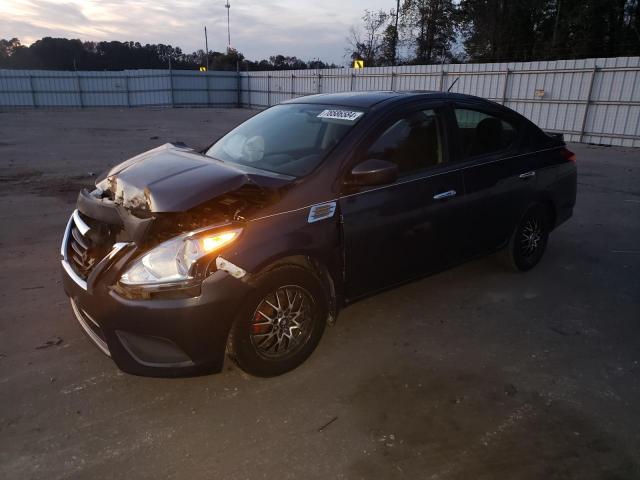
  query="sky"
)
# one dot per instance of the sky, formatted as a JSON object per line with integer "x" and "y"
{"x": 306, "y": 29}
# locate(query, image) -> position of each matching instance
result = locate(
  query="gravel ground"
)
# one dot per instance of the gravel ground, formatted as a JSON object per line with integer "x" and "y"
{"x": 474, "y": 373}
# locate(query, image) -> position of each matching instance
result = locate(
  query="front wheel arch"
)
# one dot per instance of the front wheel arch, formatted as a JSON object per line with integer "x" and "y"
{"x": 241, "y": 346}
{"x": 317, "y": 268}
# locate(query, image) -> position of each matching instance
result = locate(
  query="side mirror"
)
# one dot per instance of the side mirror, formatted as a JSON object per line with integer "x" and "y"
{"x": 373, "y": 172}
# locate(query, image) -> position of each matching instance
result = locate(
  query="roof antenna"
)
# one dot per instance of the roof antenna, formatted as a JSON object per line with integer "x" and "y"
{"x": 454, "y": 82}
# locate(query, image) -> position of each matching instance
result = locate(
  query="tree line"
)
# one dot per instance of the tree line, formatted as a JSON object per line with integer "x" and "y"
{"x": 73, "y": 54}
{"x": 414, "y": 32}
{"x": 437, "y": 31}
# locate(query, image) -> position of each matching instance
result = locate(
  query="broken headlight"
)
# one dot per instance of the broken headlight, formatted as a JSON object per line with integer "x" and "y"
{"x": 172, "y": 261}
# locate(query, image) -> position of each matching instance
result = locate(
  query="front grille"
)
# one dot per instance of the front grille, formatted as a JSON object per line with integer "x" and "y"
{"x": 79, "y": 253}
{"x": 84, "y": 251}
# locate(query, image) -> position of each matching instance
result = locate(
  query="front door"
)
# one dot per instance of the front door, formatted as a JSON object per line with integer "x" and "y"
{"x": 393, "y": 233}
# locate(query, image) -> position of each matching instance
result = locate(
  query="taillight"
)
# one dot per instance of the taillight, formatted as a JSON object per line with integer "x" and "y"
{"x": 568, "y": 155}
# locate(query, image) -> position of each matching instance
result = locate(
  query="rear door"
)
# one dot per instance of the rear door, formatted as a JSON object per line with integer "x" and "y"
{"x": 499, "y": 175}
{"x": 393, "y": 233}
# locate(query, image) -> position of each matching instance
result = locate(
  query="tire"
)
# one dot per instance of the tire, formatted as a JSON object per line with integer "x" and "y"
{"x": 271, "y": 334}
{"x": 529, "y": 240}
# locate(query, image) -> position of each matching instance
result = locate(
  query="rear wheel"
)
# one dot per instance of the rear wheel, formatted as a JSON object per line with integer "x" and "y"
{"x": 281, "y": 322}
{"x": 529, "y": 241}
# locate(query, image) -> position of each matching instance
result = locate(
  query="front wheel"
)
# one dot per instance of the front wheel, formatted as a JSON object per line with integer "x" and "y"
{"x": 280, "y": 323}
{"x": 529, "y": 241}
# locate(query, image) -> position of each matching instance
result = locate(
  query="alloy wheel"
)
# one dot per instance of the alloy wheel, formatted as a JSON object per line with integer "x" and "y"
{"x": 283, "y": 321}
{"x": 531, "y": 237}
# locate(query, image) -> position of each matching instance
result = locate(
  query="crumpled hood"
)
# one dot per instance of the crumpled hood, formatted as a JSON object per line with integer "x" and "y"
{"x": 174, "y": 178}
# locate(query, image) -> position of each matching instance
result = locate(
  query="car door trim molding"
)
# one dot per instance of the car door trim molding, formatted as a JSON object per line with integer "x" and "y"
{"x": 436, "y": 174}
{"x": 460, "y": 168}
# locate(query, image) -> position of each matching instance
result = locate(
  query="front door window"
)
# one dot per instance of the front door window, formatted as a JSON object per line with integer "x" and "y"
{"x": 412, "y": 142}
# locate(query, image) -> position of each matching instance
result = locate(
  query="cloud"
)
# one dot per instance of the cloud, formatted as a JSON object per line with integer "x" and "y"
{"x": 306, "y": 29}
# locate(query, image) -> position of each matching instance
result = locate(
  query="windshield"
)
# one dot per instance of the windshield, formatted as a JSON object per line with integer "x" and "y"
{"x": 289, "y": 139}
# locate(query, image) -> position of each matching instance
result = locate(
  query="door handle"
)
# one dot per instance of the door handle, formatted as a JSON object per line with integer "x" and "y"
{"x": 526, "y": 175}
{"x": 443, "y": 195}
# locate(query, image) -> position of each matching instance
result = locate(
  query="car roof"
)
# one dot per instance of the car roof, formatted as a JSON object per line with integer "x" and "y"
{"x": 370, "y": 98}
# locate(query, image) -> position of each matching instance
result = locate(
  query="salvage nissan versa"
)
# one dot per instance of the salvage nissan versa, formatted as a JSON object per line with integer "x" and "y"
{"x": 249, "y": 247}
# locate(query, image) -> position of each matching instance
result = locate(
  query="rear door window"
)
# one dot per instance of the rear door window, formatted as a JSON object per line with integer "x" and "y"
{"x": 481, "y": 133}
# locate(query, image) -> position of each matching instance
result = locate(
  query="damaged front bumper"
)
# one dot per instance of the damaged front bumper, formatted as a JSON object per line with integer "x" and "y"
{"x": 161, "y": 336}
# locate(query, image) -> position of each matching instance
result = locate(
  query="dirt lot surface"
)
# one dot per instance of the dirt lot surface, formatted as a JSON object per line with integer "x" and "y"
{"x": 475, "y": 373}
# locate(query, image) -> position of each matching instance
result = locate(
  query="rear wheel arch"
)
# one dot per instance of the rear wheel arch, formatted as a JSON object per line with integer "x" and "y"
{"x": 536, "y": 218}
{"x": 551, "y": 211}
{"x": 549, "y": 205}
{"x": 543, "y": 200}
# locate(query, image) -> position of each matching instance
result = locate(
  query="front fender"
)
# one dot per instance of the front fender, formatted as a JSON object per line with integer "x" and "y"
{"x": 274, "y": 239}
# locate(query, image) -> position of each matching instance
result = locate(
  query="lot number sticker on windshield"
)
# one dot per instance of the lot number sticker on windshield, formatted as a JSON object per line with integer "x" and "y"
{"x": 347, "y": 115}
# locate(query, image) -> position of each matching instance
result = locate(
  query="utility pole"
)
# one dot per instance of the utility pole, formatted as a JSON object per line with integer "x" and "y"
{"x": 395, "y": 40}
{"x": 554, "y": 39}
{"x": 206, "y": 47}
{"x": 228, "y": 7}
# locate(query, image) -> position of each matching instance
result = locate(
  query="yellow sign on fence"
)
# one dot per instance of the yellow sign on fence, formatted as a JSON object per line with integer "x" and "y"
{"x": 203, "y": 69}
{"x": 358, "y": 64}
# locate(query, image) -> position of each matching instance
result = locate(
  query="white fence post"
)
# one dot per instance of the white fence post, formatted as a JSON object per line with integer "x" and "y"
{"x": 79, "y": 90}
{"x": 587, "y": 102}
{"x": 238, "y": 87}
{"x": 504, "y": 88}
{"x": 268, "y": 90}
{"x": 171, "y": 86}
{"x": 293, "y": 88}
{"x": 33, "y": 92}
{"x": 126, "y": 86}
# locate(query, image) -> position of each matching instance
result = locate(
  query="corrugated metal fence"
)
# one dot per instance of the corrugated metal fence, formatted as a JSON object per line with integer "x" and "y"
{"x": 591, "y": 100}
{"x": 129, "y": 88}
